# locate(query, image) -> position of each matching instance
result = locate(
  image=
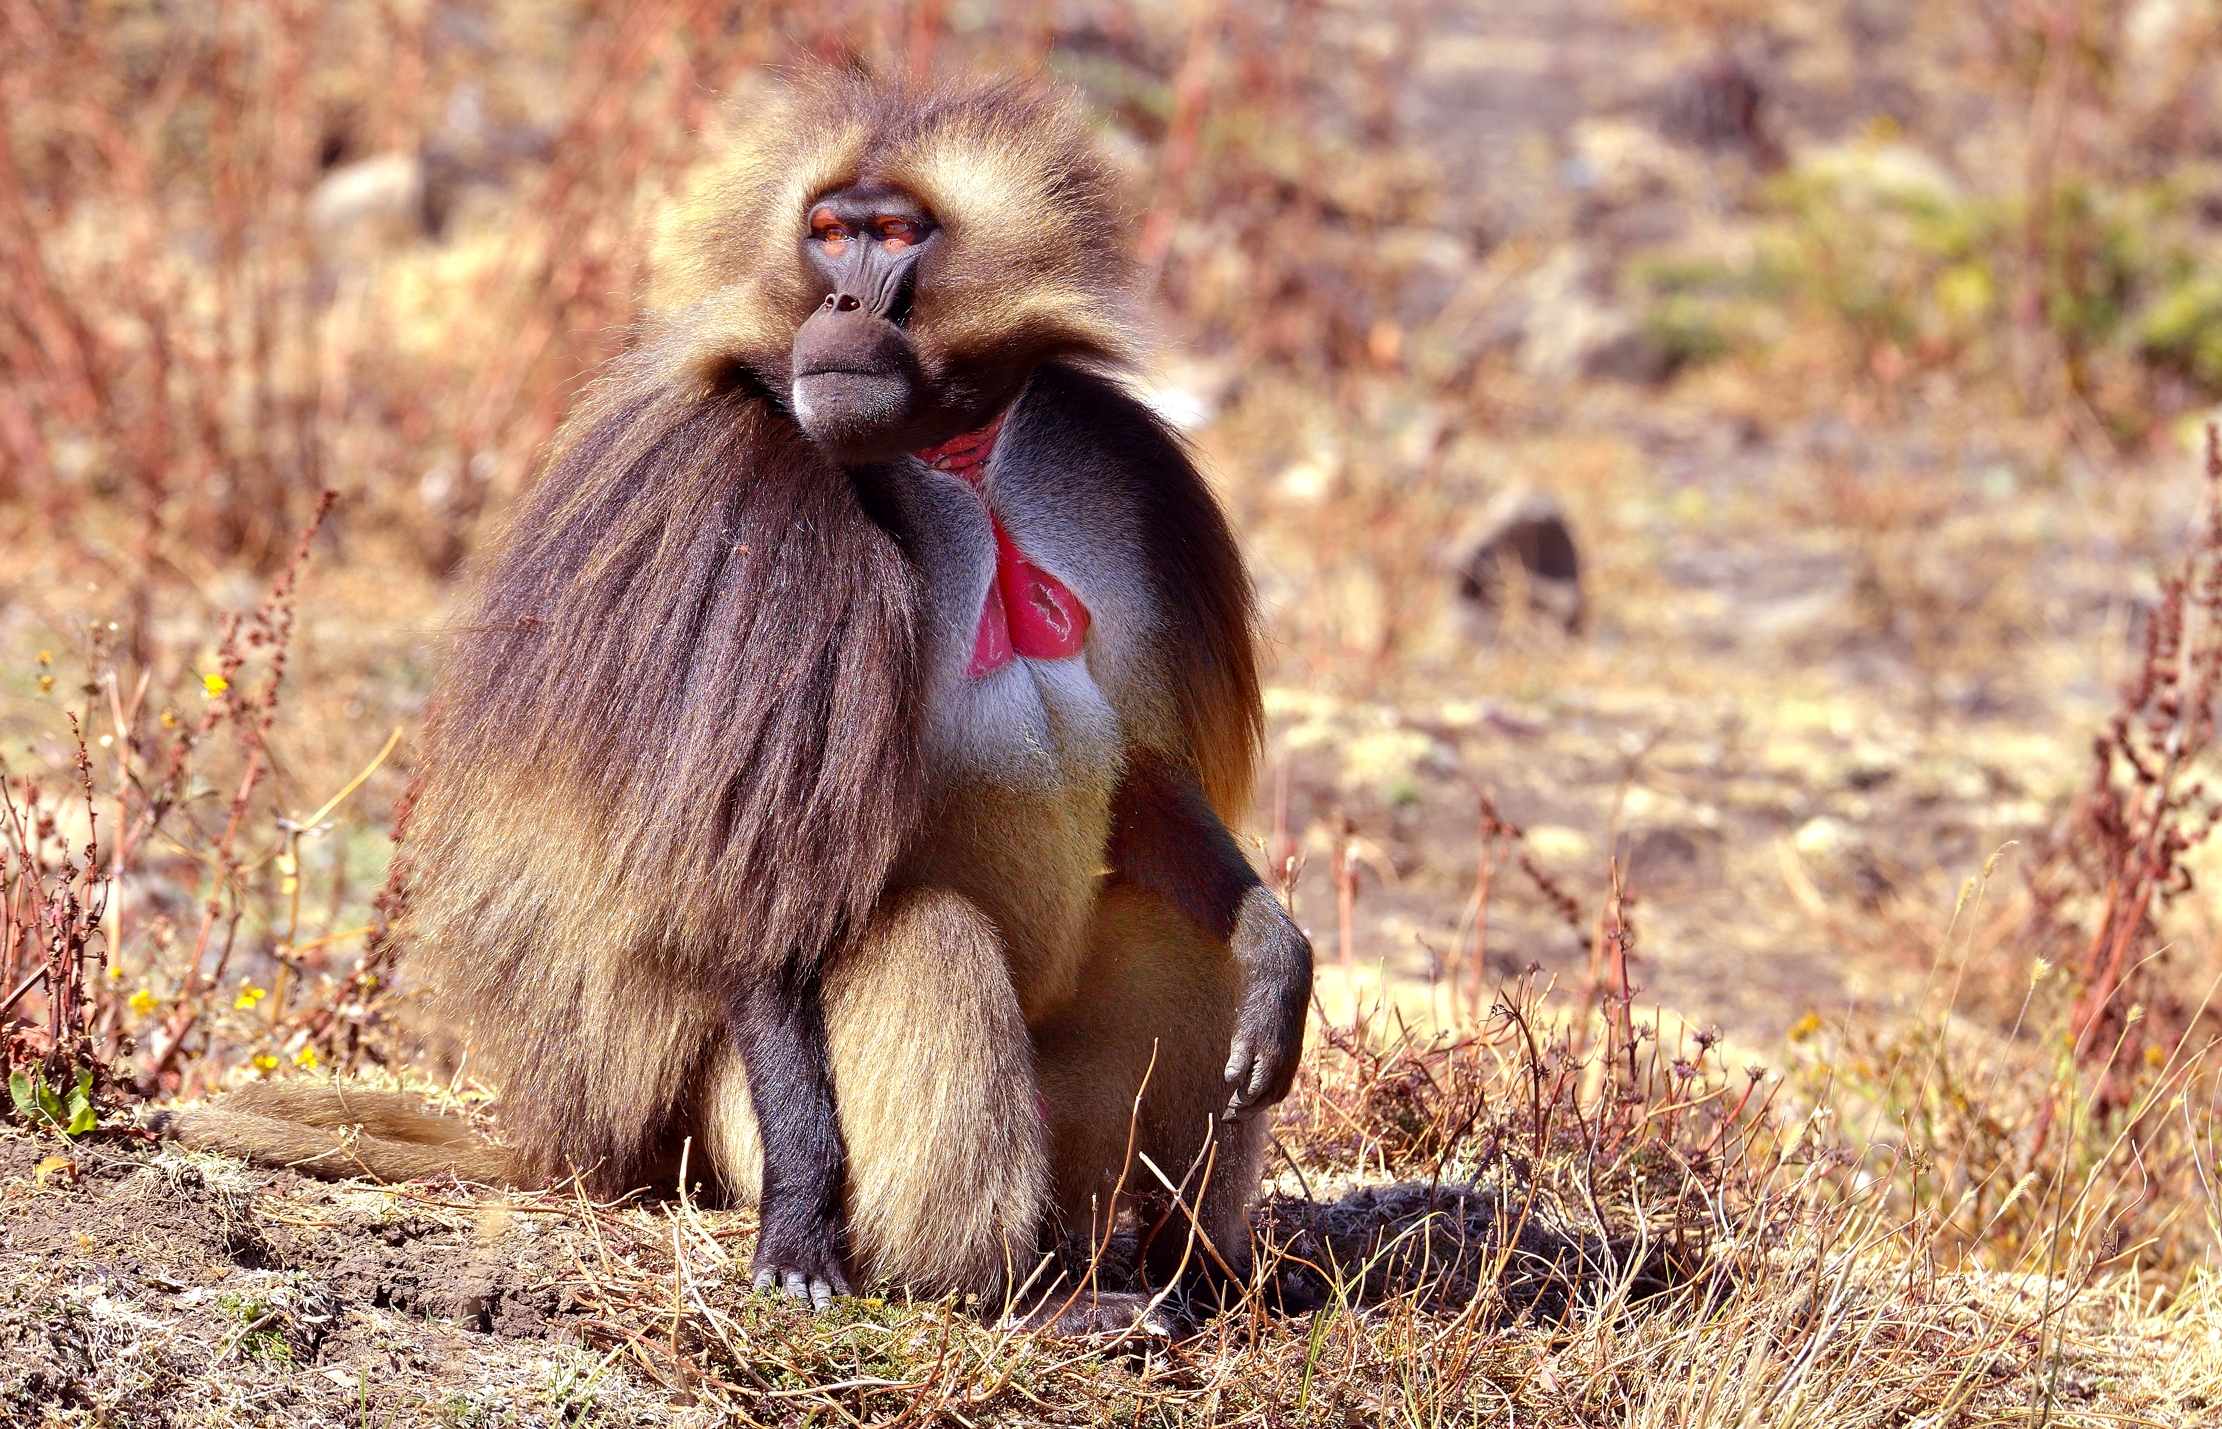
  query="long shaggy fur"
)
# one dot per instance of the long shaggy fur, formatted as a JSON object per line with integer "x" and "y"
{"x": 676, "y": 741}
{"x": 948, "y": 1175}
{"x": 336, "y": 1131}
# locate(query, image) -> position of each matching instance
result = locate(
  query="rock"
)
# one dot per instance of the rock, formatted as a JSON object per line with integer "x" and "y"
{"x": 1670, "y": 860}
{"x": 370, "y": 203}
{"x": 1880, "y": 177}
{"x": 1842, "y": 859}
{"x": 1719, "y": 103}
{"x": 1568, "y": 329}
{"x": 1668, "y": 844}
{"x": 1522, "y": 552}
{"x": 1558, "y": 845}
{"x": 1572, "y": 330}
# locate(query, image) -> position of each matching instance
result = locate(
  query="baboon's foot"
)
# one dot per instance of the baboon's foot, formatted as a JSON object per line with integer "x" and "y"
{"x": 1082, "y": 1314}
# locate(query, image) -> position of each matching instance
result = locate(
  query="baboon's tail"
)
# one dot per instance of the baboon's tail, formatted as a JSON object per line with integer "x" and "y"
{"x": 336, "y": 1132}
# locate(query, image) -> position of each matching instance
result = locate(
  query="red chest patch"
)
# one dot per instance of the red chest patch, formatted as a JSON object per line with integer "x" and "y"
{"x": 1028, "y": 611}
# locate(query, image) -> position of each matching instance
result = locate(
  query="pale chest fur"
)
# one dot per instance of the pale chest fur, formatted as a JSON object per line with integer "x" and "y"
{"x": 1023, "y": 753}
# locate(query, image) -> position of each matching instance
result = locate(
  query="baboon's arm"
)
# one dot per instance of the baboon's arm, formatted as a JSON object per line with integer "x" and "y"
{"x": 1165, "y": 838}
{"x": 779, "y": 1029}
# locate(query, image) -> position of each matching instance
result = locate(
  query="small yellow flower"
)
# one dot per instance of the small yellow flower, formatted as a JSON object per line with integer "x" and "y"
{"x": 305, "y": 1058}
{"x": 264, "y": 1063}
{"x": 169, "y": 719}
{"x": 142, "y": 1002}
{"x": 46, "y": 657}
{"x": 248, "y": 997}
{"x": 215, "y": 685}
{"x": 46, "y": 684}
{"x": 2154, "y": 1056}
{"x": 1805, "y": 1027}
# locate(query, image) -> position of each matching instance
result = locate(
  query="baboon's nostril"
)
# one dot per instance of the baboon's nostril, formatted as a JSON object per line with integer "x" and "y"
{"x": 847, "y": 304}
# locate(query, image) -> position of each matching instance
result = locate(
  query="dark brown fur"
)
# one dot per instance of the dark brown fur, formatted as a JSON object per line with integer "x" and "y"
{"x": 679, "y": 748}
{"x": 691, "y": 661}
{"x": 1208, "y": 646}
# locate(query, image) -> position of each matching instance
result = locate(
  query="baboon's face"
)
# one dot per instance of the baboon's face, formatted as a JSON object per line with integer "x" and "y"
{"x": 859, "y": 388}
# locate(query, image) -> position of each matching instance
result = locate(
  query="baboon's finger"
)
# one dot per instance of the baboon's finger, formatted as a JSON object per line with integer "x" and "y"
{"x": 1251, "y": 1075}
{"x": 1239, "y": 1060}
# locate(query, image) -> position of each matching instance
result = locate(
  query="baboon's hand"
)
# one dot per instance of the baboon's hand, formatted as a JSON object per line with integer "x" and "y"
{"x": 804, "y": 1262}
{"x": 1276, "y": 961}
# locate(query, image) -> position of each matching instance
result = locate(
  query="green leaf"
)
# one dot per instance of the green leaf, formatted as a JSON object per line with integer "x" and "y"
{"x": 82, "y": 1116}
{"x": 72, "y": 1114}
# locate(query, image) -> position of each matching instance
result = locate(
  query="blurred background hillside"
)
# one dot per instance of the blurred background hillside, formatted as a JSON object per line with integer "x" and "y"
{"x": 1863, "y": 347}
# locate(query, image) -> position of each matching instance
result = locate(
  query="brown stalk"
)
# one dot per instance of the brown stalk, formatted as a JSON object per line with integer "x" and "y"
{"x": 1190, "y": 89}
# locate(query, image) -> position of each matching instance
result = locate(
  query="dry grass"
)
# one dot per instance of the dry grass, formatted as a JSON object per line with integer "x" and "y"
{"x": 1500, "y": 1230}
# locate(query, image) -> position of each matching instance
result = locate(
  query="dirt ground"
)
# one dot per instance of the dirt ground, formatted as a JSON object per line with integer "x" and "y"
{"x": 161, "y": 1289}
{"x": 1837, "y": 654}
{"x": 156, "y": 1287}
{"x": 153, "y": 1289}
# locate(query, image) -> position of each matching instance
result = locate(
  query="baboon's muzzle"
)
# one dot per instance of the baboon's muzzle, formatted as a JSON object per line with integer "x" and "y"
{"x": 856, "y": 379}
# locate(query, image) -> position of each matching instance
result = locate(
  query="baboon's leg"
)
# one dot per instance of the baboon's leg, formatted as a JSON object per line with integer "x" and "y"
{"x": 934, "y": 1079}
{"x": 1155, "y": 983}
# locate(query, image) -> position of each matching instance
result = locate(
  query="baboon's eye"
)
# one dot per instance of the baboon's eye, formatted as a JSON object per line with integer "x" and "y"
{"x": 829, "y": 230}
{"x": 896, "y": 232}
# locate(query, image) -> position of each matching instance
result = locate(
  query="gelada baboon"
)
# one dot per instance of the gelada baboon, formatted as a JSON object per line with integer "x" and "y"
{"x": 835, "y": 763}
